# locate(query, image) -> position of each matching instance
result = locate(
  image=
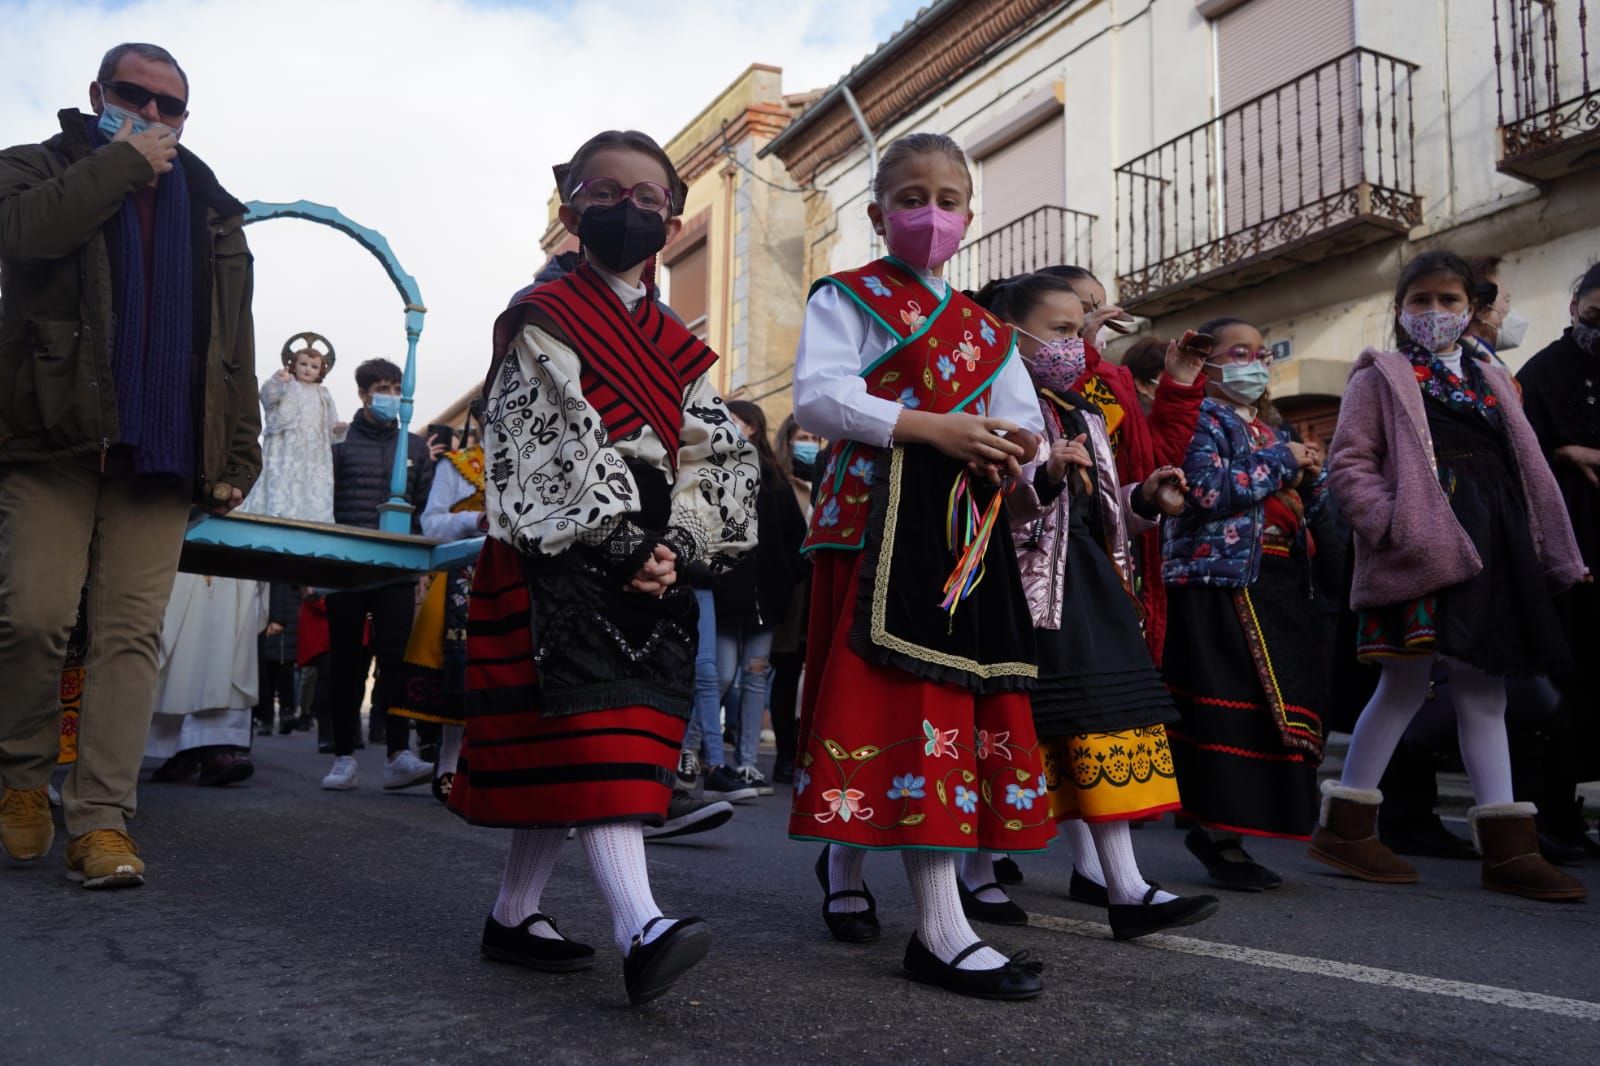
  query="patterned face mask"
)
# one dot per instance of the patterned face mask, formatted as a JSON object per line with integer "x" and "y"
{"x": 1587, "y": 337}
{"x": 1435, "y": 330}
{"x": 1058, "y": 364}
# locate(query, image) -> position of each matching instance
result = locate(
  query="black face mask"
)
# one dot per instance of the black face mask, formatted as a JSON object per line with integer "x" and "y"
{"x": 622, "y": 235}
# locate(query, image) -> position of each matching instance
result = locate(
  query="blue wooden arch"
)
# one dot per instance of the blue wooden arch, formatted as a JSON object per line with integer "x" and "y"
{"x": 394, "y": 516}
{"x": 264, "y": 548}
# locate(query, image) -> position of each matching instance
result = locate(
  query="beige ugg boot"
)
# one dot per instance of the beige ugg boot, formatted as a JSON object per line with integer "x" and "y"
{"x": 1347, "y": 837}
{"x": 1508, "y": 840}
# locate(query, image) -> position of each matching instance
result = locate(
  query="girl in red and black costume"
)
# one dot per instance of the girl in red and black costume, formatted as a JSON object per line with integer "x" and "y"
{"x": 915, "y": 730}
{"x": 612, "y": 464}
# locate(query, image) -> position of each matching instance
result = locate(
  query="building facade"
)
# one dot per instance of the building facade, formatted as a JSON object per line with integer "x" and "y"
{"x": 1275, "y": 160}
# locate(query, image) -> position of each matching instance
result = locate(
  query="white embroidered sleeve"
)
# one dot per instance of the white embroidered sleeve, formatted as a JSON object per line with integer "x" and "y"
{"x": 553, "y": 479}
{"x": 714, "y": 498}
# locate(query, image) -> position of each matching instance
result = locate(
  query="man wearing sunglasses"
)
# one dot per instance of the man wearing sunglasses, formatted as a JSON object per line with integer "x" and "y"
{"x": 127, "y": 394}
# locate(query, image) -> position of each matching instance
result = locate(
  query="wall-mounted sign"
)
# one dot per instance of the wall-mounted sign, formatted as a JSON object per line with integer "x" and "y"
{"x": 1282, "y": 351}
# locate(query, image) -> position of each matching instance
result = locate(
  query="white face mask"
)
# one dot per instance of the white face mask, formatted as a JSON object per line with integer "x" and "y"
{"x": 1513, "y": 331}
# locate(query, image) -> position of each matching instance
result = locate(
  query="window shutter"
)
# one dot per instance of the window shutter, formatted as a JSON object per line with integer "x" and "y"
{"x": 688, "y": 288}
{"x": 1265, "y": 43}
{"x": 1026, "y": 174}
{"x": 1270, "y": 167}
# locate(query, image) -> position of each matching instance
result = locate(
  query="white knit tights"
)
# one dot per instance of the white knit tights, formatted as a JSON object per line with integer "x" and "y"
{"x": 846, "y": 867}
{"x": 1480, "y": 702}
{"x": 616, "y": 852}
{"x": 533, "y": 856}
{"x": 1124, "y": 883}
{"x": 940, "y": 922}
{"x": 1085, "y": 856}
{"x": 449, "y": 750}
{"x": 977, "y": 871}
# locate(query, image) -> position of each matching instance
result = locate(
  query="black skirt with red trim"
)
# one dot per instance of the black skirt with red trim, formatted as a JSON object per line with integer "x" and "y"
{"x": 523, "y": 768}
{"x": 1247, "y": 757}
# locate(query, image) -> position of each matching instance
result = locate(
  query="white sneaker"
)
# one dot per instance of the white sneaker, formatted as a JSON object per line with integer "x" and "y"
{"x": 342, "y": 778}
{"x": 404, "y": 769}
{"x": 755, "y": 779}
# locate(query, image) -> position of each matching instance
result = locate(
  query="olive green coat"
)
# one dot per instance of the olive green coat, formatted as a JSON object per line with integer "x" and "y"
{"x": 56, "y": 318}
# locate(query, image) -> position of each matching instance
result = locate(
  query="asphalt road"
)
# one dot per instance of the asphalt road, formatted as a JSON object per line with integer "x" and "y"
{"x": 284, "y": 924}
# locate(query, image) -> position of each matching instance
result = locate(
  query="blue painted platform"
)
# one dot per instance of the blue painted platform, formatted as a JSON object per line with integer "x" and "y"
{"x": 258, "y": 548}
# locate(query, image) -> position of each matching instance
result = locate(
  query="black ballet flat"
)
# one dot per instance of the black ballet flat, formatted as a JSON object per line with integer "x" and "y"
{"x": 1004, "y": 912}
{"x": 442, "y": 786}
{"x": 1017, "y": 979}
{"x": 848, "y": 927}
{"x": 1245, "y": 876}
{"x": 650, "y": 969}
{"x": 1007, "y": 872}
{"x": 504, "y": 943}
{"x": 1132, "y": 920}
{"x": 1083, "y": 890}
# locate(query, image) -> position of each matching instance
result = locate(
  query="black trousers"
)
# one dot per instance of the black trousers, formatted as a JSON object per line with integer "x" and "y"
{"x": 390, "y": 607}
{"x": 276, "y": 686}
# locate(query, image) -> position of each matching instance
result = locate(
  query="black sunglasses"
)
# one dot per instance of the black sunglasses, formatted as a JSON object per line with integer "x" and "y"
{"x": 138, "y": 96}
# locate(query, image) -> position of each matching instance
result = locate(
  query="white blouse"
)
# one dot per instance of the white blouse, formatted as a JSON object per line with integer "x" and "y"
{"x": 449, "y": 488}
{"x": 838, "y": 340}
{"x": 556, "y": 478}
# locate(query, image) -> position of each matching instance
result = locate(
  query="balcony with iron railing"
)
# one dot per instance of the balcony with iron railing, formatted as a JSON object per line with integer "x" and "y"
{"x": 1548, "y": 106}
{"x": 1045, "y": 236}
{"x": 1320, "y": 166}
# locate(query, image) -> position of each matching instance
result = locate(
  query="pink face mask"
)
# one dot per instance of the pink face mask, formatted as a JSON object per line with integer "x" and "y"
{"x": 1057, "y": 364}
{"x": 925, "y": 237}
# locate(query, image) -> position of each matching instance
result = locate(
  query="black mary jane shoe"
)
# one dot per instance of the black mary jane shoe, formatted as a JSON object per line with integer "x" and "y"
{"x": 1007, "y": 872}
{"x": 442, "y": 786}
{"x": 1132, "y": 920}
{"x": 848, "y": 927}
{"x": 1017, "y": 979}
{"x": 650, "y": 969}
{"x": 1002, "y": 912}
{"x": 1082, "y": 890}
{"x": 504, "y": 943}
{"x": 1242, "y": 874}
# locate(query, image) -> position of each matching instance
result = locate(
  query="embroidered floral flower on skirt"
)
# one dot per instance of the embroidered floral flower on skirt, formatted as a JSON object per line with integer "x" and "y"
{"x": 890, "y": 760}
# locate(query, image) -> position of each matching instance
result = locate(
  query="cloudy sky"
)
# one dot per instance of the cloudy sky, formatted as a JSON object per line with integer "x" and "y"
{"x": 434, "y": 122}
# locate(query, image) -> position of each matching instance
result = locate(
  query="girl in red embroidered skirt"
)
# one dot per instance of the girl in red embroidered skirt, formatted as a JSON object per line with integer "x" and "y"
{"x": 611, "y": 464}
{"x": 915, "y": 732}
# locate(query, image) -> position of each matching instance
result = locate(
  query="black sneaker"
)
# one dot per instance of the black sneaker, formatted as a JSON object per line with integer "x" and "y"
{"x": 687, "y": 815}
{"x": 688, "y": 769}
{"x": 723, "y": 784}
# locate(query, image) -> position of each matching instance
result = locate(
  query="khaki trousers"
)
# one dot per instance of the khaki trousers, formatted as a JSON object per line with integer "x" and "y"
{"x": 61, "y": 524}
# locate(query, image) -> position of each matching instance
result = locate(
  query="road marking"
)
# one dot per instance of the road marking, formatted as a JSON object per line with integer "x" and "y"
{"x": 1345, "y": 971}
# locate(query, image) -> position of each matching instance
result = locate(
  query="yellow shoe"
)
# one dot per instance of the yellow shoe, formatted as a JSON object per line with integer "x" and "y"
{"x": 105, "y": 858}
{"x": 26, "y": 828}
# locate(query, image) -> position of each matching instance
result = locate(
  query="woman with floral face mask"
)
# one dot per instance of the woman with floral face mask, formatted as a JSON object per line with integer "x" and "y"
{"x": 1244, "y": 654}
{"x": 1100, "y": 707}
{"x": 1460, "y": 537}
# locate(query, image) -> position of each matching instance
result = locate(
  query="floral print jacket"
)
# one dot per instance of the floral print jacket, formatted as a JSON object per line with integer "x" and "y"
{"x": 1217, "y": 539}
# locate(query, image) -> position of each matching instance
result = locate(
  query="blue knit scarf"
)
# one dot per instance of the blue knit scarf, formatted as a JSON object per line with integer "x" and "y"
{"x": 152, "y": 359}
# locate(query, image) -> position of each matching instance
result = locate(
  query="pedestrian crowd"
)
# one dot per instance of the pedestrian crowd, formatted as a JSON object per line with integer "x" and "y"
{"x": 987, "y": 588}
